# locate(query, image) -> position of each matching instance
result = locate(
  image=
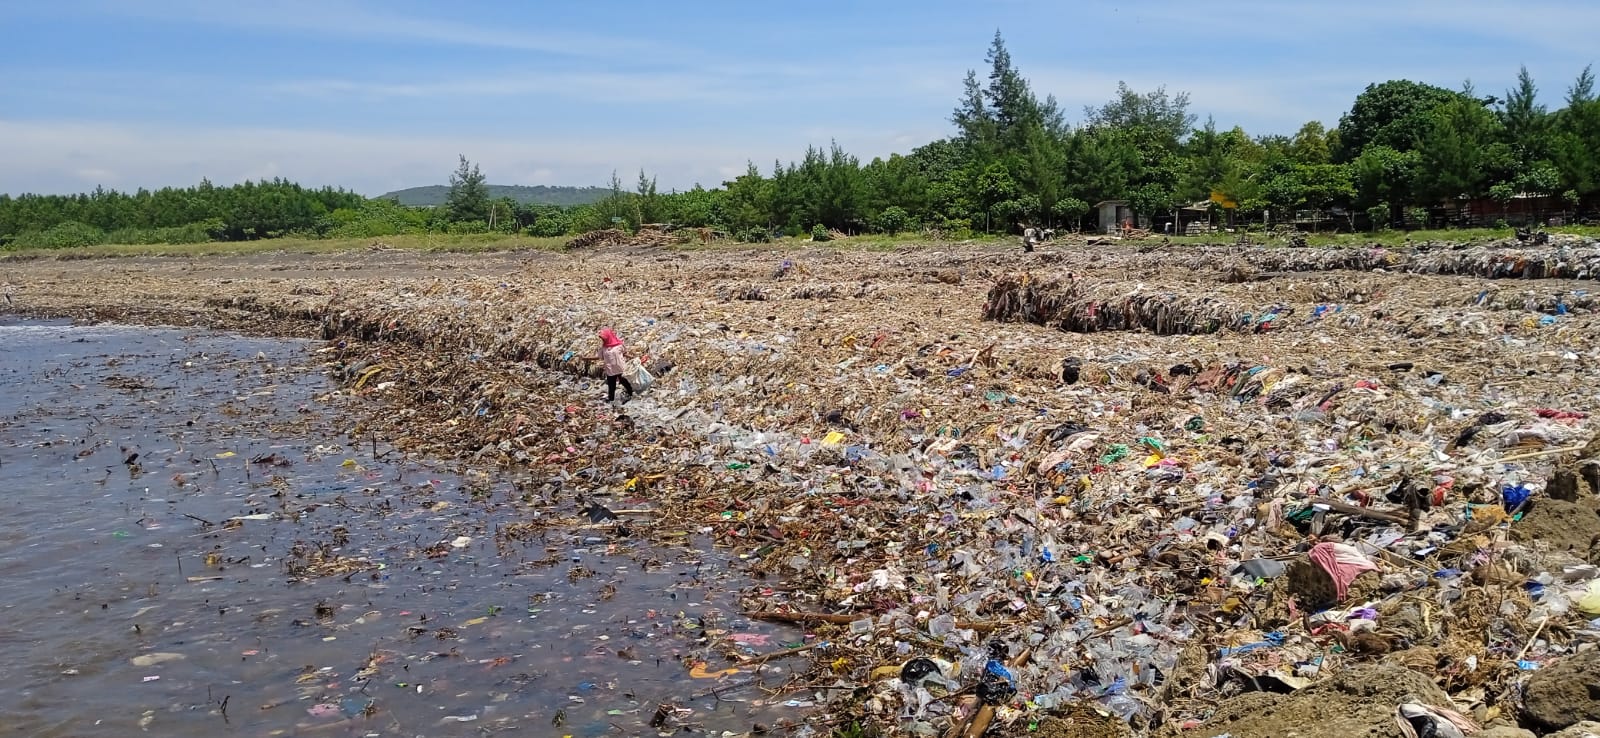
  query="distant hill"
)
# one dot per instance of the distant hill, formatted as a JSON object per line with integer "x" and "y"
{"x": 534, "y": 195}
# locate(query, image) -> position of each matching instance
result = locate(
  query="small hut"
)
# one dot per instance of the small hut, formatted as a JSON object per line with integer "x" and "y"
{"x": 1112, "y": 215}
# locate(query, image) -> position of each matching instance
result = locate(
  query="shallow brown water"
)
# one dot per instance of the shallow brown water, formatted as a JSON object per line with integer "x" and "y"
{"x": 131, "y": 604}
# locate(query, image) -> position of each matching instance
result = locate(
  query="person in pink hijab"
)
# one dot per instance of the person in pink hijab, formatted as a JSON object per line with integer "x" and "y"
{"x": 613, "y": 358}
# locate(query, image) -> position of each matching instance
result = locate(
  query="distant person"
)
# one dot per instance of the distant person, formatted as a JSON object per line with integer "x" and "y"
{"x": 1030, "y": 238}
{"x": 614, "y": 359}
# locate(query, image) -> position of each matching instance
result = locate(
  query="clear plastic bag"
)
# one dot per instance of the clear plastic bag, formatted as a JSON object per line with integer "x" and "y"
{"x": 639, "y": 377}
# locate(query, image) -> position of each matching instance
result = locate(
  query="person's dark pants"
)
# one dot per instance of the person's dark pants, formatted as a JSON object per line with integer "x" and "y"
{"x": 611, "y": 386}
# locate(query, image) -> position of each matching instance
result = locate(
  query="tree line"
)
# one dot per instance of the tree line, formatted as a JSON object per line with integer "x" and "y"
{"x": 1405, "y": 153}
{"x": 205, "y": 212}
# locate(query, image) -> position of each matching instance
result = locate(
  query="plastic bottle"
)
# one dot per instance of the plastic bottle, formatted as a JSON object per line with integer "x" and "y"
{"x": 1123, "y": 706}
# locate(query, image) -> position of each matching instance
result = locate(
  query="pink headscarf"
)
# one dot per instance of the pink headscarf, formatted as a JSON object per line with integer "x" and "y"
{"x": 608, "y": 338}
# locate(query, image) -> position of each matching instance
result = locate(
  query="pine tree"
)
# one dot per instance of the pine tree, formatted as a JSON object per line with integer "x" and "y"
{"x": 469, "y": 196}
{"x": 1525, "y": 122}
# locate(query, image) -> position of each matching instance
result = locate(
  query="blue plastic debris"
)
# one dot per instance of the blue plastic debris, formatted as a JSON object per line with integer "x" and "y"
{"x": 1512, "y": 497}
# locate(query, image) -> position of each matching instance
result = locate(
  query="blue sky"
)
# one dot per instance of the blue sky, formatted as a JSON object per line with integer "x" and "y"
{"x": 375, "y": 96}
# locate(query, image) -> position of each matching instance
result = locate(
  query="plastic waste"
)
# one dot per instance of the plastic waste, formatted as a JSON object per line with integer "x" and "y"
{"x": 1262, "y": 568}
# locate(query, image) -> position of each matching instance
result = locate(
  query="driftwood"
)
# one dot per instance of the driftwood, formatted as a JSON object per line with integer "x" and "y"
{"x": 1364, "y": 512}
{"x": 818, "y": 617}
{"x": 764, "y": 658}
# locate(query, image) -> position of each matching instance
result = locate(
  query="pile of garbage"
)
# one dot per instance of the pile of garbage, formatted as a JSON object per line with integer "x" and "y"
{"x": 990, "y": 524}
{"x": 1562, "y": 258}
{"x": 1076, "y": 306}
{"x": 649, "y": 235}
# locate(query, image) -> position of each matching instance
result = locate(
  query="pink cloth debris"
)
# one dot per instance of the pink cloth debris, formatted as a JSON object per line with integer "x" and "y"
{"x": 1342, "y": 562}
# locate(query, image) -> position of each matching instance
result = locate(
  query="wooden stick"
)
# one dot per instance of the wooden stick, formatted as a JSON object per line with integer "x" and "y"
{"x": 1532, "y": 455}
{"x": 1532, "y": 638}
{"x": 1364, "y": 512}
{"x": 979, "y": 724}
{"x": 1119, "y": 624}
{"x": 1523, "y": 457}
{"x": 757, "y": 660}
{"x": 819, "y": 617}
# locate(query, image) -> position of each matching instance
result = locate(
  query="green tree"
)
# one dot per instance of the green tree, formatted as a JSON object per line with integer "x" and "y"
{"x": 1165, "y": 117}
{"x": 1104, "y": 163}
{"x": 1455, "y": 152}
{"x": 1135, "y": 142}
{"x": 1576, "y": 142}
{"x": 1395, "y": 114}
{"x": 1069, "y": 211}
{"x": 1526, "y": 123}
{"x": 1210, "y": 161}
{"x": 1005, "y": 124}
{"x": 1503, "y": 193}
{"x": 995, "y": 186}
{"x": 1384, "y": 176}
{"x": 615, "y": 211}
{"x": 1310, "y": 145}
{"x": 894, "y": 219}
{"x": 747, "y": 204}
{"x": 975, "y": 125}
{"x": 648, "y": 207}
{"x": 469, "y": 196}
{"x": 696, "y": 208}
{"x": 1540, "y": 180}
{"x": 548, "y": 221}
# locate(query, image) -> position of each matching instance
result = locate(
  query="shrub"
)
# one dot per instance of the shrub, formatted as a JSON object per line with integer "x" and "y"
{"x": 1417, "y": 216}
{"x": 549, "y": 225}
{"x": 819, "y": 233}
{"x": 1379, "y": 214}
{"x": 372, "y": 219}
{"x": 957, "y": 228}
{"x": 469, "y": 227}
{"x": 61, "y": 236}
{"x": 892, "y": 220}
{"x": 755, "y": 234}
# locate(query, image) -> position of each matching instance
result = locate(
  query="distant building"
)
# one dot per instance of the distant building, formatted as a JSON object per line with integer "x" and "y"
{"x": 1112, "y": 214}
{"x": 1522, "y": 209}
{"x": 1193, "y": 219}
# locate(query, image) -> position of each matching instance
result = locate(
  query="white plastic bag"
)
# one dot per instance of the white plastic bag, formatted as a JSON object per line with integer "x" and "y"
{"x": 639, "y": 377}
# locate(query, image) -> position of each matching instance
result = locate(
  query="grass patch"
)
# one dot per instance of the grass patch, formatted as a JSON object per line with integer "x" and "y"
{"x": 427, "y": 243}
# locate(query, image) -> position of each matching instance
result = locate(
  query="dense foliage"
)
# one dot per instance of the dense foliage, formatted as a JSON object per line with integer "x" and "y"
{"x": 1405, "y": 153}
{"x": 205, "y": 212}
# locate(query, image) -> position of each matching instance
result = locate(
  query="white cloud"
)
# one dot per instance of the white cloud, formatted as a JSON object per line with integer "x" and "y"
{"x": 64, "y": 156}
{"x": 1263, "y": 105}
{"x": 339, "y": 18}
{"x": 539, "y": 176}
{"x": 97, "y": 176}
{"x": 592, "y": 86}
